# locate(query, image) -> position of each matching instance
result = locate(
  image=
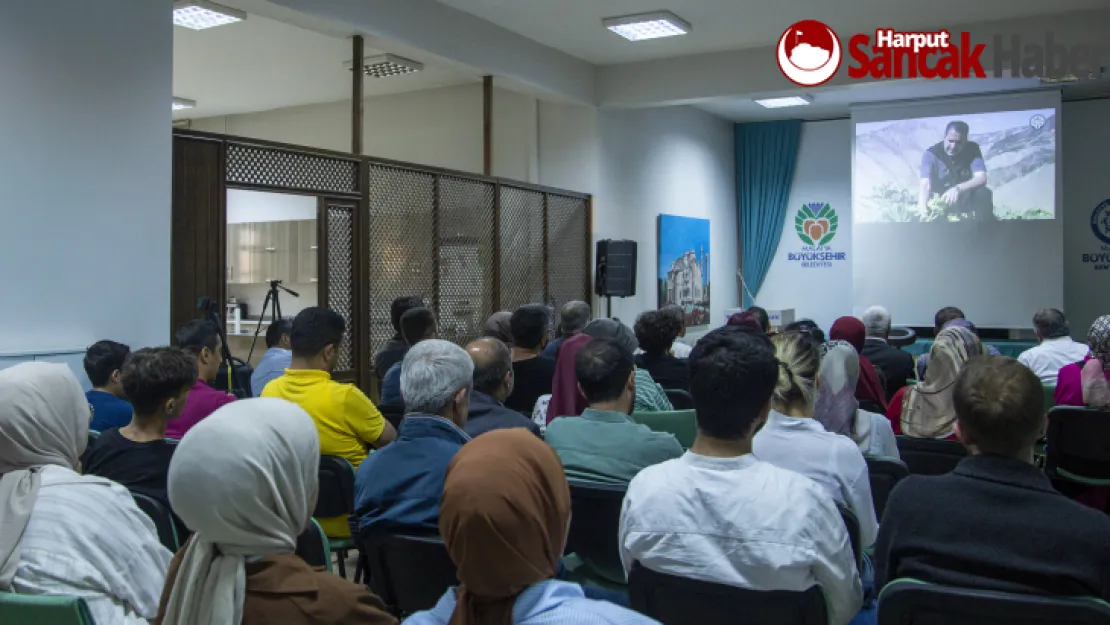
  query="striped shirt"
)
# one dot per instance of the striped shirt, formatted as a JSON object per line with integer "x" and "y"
{"x": 649, "y": 395}
{"x": 87, "y": 538}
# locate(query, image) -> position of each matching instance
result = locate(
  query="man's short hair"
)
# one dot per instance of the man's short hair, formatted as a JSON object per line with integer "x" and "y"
{"x": 490, "y": 370}
{"x": 603, "y": 368}
{"x": 761, "y": 315}
{"x": 573, "y": 317}
{"x": 156, "y": 374}
{"x": 276, "y": 330}
{"x": 876, "y": 320}
{"x": 999, "y": 405}
{"x": 656, "y": 331}
{"x": 314, "y": 329}
{"x": 400, "y": 306}
{"x": 196, "y": 335}
{"x": 417, "y": 325}
{"x": 958, "y": 126}
{"x": 732, "y": 376}
{"x": 104, "y": 357}
{"x": 432, "y": 372}
{"x": 1051, "y": 324}
{"x": 529, "y": 326}
{"x": 946, "y": 314}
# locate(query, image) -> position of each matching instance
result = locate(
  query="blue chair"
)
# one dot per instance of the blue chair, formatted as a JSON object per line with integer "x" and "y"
{"x": 43, "y": 610}
{"x": 913, "y": 602}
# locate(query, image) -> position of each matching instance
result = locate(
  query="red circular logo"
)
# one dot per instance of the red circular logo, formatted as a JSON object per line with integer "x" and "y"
{"x": 809, "y": 53}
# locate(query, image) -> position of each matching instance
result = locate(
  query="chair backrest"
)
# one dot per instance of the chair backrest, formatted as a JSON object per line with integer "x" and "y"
{"x": 337, "y": 488}
{"x": 313, "y": 547}
{"x": 163, "y": 520}
{"x": 851, "y": 523}
{"x": 43, "y": 610}
{"x": 1078, "y": 445}
{"x": 675, "y": 600}
{"x": 930, "y": 456}
{"x": 393, "y": 413}
{"x": 911, "y": 602}
{"x": 682, "y": 423}
{"x": 1049, "y": 397}
{"x": 885, "y": 473}
{"x": 409, "y": 573}
{"x": 595, "y": 527}
{"x": 680, "y": 399}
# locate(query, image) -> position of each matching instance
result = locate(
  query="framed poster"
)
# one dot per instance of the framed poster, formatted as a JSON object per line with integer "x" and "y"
{"x": 684, "y": 266}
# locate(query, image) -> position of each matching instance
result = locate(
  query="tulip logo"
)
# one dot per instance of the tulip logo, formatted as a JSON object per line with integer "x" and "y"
{"x": 816, "y": 224}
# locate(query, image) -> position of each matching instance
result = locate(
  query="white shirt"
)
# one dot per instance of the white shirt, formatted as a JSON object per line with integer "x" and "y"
{"x": 1050, "y": 356}
{"x": 681, "y": 350}
{"x": 741, "y": 522}
{"x": 874, "y": 435}
{"x": 833, "y": 461}
{"x": 87, "y": 538}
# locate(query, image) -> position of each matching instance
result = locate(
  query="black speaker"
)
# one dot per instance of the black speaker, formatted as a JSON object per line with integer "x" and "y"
{"x": 616, "y": 268}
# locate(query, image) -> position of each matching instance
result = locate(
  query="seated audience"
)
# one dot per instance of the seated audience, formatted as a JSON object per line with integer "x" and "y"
{"x": 807, "y": 326}
{"x": 926, "y": 410}
{"x": 346, "y": 420}
{"x": 418, "y": 324}
{"x": 922, "y": 362}
{"x": 895, "y": 365}
{"x": 837, "y": 408}
{"x": 504, "y": 517}
{"x": 395, "y": 348}
{"x": 656, "y": 332}
{"x": 747, "y": 319}
{"x": 398, "y": 488}
{"x": 245, "y": 480}
{"x": 605, "y": 445}
{"x": 103, "y": 363}
{"x": 66, "y": 534}
{"x": 572, "y": 318}
{"x": 649, "y": 395}
{"x": 566, "y": 399}
{"x": 869, "y": 391}
{"x": 761, "y": 316}
{"x": 794, "y": 440}
{"x": 493, "y": 383}
{"x": 678, "y": 349}
{"x": 1055, "y": 348}
{"x": 719, "y": 513}
{"x": 532, "y": 372}
{"x": 1084, "y": 383}
{"x": 995, "y": 522}
{"x": 137, "y": 455}
{"x": 499, "y": 326}
{"x": 277, "y": 357}
{"x": 200, "y": 339}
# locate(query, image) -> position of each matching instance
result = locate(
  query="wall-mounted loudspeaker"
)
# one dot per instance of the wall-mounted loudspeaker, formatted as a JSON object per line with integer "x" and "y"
{"x": 615, "y": 275}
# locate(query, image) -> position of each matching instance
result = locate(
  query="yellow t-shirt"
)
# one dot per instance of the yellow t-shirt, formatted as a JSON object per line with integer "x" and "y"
{"x": 346, "y": 420}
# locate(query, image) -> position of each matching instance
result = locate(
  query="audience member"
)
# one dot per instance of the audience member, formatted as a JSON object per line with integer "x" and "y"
{"x": 418, "y": 324}
{"x": 761, "y": 316}
{"x": 532, "y": 372}
{"x": 943, "y": 316}
{"x": 807, "y": 326}
{"x": 895, "y": 365}
{"x": 926, "y": 410}
{"x": 746, "y": 319}
{"x": 678, "y": 349}
{"x": 245, "y": 480}
{"x": 103, "y": 363}
{"x": 869, "y": 391}
{"x": 959, "y": 322}
{"x": 395, "y": 348}
{"x": 62, "y": 533}
{"x": 567, "y": 399}
{"x": 398, "y": 488}
{"x": 792, "y": 439}
{"x": 504, "y": 517}
{"x": 500, "y": 326}
{"x": 995, "y": 522}
{"x": 573, "y": 317}
{"x": 1084, "y": 383}
{"x": 649, "y": 395}
{"x": 277, "y": 357}
{"x": 1055, "y": 349}
{"x": 720, "y": 514}
{"x": 137, "y": 455}
{"x": 493, "y": 383}
{"x": 656, "y": 332}
{"x": 347, "y": 422}
{"x": 200, "y": 339}
{"x": 837, "y": 408}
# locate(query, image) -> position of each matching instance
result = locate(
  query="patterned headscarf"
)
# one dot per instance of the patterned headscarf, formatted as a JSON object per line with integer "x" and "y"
{"x": 928, "y": 410}
{"x": 1098, "y": 338}
{"x": 1096, "y": 391}
{"x": 836, "y": 405}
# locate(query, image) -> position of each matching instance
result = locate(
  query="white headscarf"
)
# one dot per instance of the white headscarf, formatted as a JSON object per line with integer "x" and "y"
{"x": 44, "y": 420}
{"x": 243, "y": 480}
{"x": 836, "y": 405}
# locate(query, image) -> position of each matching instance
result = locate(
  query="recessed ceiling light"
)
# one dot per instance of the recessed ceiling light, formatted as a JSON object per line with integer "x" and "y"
{"x": 182, "y": 103}
{"x": 647, "y": 25}
{"x": 200, "y": 14}
{"x": 385, "y": 65}
{"x": 790, "y": 100}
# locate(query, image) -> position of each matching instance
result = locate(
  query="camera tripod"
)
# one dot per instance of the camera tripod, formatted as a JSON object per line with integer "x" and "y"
{"x": 273, "y": 302}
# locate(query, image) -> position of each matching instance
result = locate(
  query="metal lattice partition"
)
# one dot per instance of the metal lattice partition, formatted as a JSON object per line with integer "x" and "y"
{"x": 340, "y": 275}
{"x": 270, "y": 167}
{"x": 568, "y": 258}
{"x": 466, "y": 257}
{"x": 522, "y": 248}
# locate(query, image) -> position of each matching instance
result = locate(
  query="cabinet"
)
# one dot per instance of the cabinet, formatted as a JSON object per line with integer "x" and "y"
{"x": 278, "y": 250}
{"x": 306, "y": 252}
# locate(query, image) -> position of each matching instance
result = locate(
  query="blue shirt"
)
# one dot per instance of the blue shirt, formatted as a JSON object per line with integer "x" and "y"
{"x": 273, "y": 365}
{"x": 391, "y": 387}
{"x": 109, "y": 411}
{"x": 398, "y": 487}
{"x": 550, "y": 602}
{"x": 552, "y": 349}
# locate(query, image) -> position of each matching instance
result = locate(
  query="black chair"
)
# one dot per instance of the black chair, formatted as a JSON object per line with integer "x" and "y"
{"x": 885, "y": 473}
{"x": 851, "y": 523}
{"x": 336, "y": 498}
{"x": 912, "y": 602}
{"x": 409, "y": 573}
{"x": 930, "y": 456}
{"x": 312, "y": 546}
{"x": 595, "y": 527}
{"x": 675, "y": 600}
{"x": 394, "y": 414}
{"x": 1077, "y": 447}
{"x": 902, "y": 337}
{"x": 163, "y": 520}
{"x": 680, "y": 399}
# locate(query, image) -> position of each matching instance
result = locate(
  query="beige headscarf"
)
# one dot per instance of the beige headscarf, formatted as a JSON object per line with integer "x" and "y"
{"x": 928, "y": 411}
{"x": 243, "y": 480}
{"x": 44, "y": 420}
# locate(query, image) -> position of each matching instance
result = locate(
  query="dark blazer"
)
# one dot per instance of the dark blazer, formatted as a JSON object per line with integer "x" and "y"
{"x": 488, "y": 414}
{"x": 669, "y": 372}
{"x": 895, "y": 365}
{"x": 993, "y": 524}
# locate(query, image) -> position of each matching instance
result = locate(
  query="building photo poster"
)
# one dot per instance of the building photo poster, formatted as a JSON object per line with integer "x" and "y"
{"x": 684, "y": 266}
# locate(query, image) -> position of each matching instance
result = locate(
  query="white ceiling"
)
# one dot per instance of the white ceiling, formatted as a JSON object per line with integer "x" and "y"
{"x": 574, "y": 26}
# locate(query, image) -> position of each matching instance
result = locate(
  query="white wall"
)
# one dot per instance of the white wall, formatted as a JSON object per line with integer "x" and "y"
{"x": 258, "y": 206}
{"x": 85, "y": 192}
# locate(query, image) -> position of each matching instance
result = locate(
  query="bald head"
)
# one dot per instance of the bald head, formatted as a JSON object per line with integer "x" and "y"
{"x": 493, "y": 366}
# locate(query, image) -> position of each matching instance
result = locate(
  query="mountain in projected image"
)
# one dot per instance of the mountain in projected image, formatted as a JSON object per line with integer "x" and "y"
{"x": 1020, "y": 161}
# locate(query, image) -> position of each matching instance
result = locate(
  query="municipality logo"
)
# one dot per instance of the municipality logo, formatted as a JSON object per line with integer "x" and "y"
{"x": 1100, "y": 222}
{"x": 816, "y": 224}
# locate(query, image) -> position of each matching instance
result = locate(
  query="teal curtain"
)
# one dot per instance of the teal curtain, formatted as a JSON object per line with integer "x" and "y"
{"x": 765, "y": 157}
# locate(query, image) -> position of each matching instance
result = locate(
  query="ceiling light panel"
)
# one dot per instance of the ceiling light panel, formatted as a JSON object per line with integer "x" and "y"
{"x": 182, "y": 103}
{"x": 778, "y": 103}
{"x": 386, "y": 65}
{"x": 199, "y": 15}
{"x": 644, "y": 26}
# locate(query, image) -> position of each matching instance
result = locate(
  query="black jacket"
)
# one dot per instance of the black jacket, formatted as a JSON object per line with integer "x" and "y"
{"x": 488, "y": 414}
{"x": 895, "y": 365}
{"x": 390, "y": 354}
{"x": 669, "y": 372}
{"x": 993, "y": 524}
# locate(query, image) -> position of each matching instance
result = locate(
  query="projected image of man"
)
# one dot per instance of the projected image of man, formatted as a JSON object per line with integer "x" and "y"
{"x": 954, "y": 179}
